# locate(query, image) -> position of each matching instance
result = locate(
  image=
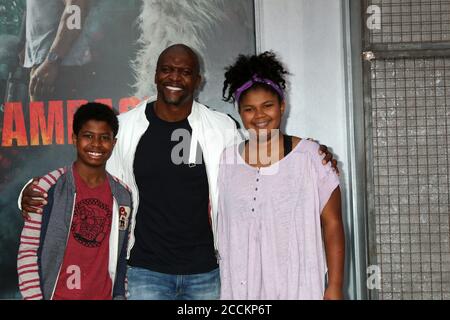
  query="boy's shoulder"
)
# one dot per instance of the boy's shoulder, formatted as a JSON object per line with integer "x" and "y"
{"x": 122, "y": 194}
{"x": 120, "y": 183}
{"x": 46, "y": 182}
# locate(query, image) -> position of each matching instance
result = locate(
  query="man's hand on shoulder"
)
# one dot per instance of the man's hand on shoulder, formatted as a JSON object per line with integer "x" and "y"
{"x": 32, "y": 199}
{"x": 323, "y": 150}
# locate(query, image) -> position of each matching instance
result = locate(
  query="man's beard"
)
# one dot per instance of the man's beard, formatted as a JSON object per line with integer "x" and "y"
{"x": 174, "y": 101}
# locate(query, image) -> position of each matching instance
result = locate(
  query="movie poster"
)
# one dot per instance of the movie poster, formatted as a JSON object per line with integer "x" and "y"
{"x": 111, "y": 61}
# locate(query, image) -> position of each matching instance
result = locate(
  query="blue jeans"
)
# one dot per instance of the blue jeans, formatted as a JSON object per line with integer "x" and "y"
{"x": 144, "y": 284}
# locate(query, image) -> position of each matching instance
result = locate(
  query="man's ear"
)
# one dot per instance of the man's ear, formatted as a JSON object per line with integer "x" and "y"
{"x": 74, "y": 139}
{"x": 198, "y": 81}
{"x": 114, "y": 142}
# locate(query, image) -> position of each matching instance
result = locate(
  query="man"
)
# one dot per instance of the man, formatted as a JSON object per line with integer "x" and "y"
{"x": 57, "y": 49}
{"x": 172, "y": 241}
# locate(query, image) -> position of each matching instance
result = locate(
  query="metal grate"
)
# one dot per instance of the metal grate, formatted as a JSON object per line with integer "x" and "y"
{"x": 412, "y": 21}
{"x": 411, "y": 154}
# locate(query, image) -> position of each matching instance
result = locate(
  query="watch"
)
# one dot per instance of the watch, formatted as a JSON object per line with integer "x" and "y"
{"x": 53, "y": 57}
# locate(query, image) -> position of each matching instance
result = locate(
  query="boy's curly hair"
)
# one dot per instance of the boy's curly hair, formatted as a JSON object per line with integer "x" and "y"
{"x": 95, "y": 111}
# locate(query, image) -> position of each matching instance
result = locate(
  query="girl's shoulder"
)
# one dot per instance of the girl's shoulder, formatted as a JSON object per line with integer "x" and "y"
{"x": 295, "y": 141}
{"x": 308, "y": 150}
{"x": 304, "y": 145}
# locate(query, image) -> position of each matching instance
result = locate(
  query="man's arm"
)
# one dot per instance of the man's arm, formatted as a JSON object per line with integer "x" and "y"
{"x": 27, "y": 258}
{"x": 333, "y": 231}
{"x": 33, "y": 196}
{"x": 31, "y": 200}
{"x": 43, "y": 78}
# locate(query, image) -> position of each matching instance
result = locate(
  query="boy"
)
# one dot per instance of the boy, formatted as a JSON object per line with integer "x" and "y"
{"x": 75, "y": 248}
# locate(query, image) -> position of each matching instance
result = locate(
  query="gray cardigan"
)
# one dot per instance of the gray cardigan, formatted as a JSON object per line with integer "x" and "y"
{"x": 55, "y": 224}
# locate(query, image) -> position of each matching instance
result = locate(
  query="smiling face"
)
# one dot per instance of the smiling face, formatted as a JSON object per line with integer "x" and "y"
{"x": 261, "y": 111}
{"x": 177, "y": 76}
{"x": 95, "y": 142}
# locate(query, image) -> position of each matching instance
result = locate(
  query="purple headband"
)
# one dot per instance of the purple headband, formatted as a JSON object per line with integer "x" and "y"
{"x": 256, "y": 79}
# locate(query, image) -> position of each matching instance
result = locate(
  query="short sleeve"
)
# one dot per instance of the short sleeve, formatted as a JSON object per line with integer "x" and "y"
{"x": 327, "y": 179}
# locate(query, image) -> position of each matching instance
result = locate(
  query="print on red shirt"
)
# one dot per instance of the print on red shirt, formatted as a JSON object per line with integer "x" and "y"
{"x": 91, "y": 222}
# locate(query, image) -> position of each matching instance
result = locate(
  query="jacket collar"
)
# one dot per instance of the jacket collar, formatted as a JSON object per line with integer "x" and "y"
{"x": 193, "y": 117}
{"x": 71, "y": 180}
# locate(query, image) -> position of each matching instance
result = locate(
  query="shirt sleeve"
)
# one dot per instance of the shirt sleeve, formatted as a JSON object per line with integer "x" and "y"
{"x": 114, "y": 165}
{"x": 327, "y": 179}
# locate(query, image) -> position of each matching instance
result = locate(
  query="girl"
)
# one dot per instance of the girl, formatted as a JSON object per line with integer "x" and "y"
{"x": 280, "y": 225}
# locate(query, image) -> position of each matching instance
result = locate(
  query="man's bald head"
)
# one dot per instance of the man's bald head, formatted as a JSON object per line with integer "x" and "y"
{"x": 177, "y": 76}
{"x": 181, "y": 49}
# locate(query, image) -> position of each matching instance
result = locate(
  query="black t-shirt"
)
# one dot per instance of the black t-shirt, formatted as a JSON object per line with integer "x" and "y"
{"x": 173, "y": 233}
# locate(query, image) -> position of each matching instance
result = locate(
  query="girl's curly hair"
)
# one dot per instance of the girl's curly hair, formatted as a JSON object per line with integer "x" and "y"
{"x": 265, "y": 65}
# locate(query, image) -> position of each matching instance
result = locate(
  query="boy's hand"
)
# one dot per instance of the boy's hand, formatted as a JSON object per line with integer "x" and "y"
{"x": 32, "y": 200}
{"x": 333, "y": 293}
{"x": 323, "y": 149}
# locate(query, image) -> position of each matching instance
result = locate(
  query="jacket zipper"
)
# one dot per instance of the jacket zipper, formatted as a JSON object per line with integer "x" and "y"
{"x": 135, "y": 210}
{"x": 117, "y": 249}
{"x": 200, "y": 133}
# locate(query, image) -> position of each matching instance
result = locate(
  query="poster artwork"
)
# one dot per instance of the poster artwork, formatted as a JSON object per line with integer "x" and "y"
{"x": 111, "y": 61}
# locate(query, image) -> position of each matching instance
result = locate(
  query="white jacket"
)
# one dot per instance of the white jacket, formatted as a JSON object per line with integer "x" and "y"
{"x": 213, "y": 130}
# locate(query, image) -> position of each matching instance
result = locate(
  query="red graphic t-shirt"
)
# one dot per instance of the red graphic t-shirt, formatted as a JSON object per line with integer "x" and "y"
{"x": 84, "y": 273}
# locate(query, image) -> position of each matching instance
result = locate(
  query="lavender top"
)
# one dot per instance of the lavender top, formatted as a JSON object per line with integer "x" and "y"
{"x": 270, "y": 239}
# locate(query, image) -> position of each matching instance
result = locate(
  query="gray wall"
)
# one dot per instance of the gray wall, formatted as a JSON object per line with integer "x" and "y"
{"x": 312, "y": 43}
